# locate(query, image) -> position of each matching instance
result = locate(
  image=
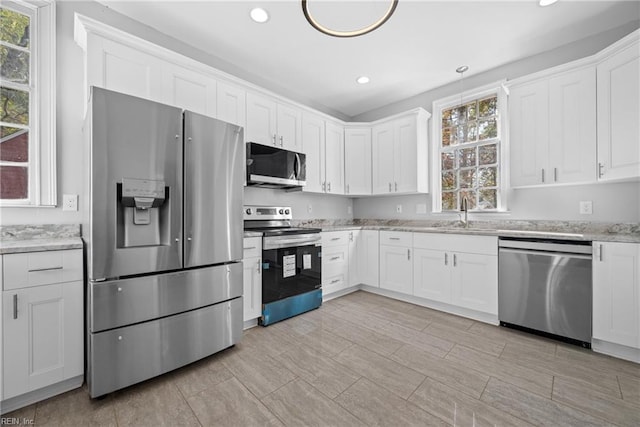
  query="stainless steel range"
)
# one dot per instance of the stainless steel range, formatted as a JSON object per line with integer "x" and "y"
{"x": 291, "y": 273}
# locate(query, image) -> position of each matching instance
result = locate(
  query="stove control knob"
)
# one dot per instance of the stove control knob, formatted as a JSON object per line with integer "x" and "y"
{"x": 286, "y": 211}
{"x": 248, "y": 211}
{"x": 281, "y": 211}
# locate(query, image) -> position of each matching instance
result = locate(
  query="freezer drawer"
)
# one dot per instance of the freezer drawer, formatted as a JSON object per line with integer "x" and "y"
{"x": 121, "y": 357}
{"x": 119, "y": 303}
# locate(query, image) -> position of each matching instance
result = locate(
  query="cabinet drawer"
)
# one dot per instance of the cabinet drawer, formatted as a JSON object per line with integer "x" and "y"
{"x": 396, "y": 238}
{"x": 252, "y": 247}
{"x": 486, "y": 245}
{"x": 334, "y": 255}
{"x": 41, "y": 268}
{"x": 335, "y": 238}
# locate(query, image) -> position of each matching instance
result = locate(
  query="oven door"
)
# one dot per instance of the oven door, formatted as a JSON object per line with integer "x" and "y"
{"x": 290, "y": 266}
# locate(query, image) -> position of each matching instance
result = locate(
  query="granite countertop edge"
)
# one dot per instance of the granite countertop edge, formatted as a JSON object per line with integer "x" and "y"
{"x": 40, "y": 245}
{"x": 604, "y": 237}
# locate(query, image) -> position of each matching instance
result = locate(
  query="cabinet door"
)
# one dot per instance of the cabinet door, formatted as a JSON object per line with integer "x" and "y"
{"x": 252, "y": 295}
{"x": 189, "y": 90}
{"x": 572, "y": 127}
{"x": 616, "y": 293}
{"x": 261, "y": 120}
{"x": 396, "y": 272}
{"x": 313, "y": 148}
{"x": 618, "y": 111}
{"x": 42, "y": 337}
{"x": 289, "y": 121}
{"x": 368, "y": 257}
{"x": 474, "y": 282}
{"x": 529, "y": 134}
{"x": 432, "y": 275}
{"x": 382, "y": 158}
{"x": 357, "y": 155}
{"x": 354, "y": 264}
{"x": 122, "y": 69}
{"x": 405, "y": 161}
{"x": 334, "y": 158}
{"x": 231, "y": 104}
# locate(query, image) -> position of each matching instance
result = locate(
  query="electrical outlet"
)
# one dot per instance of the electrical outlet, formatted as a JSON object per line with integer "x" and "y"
{"x": 421, "y": 208}
{"x": 398, "y": 208}
{"x": 309, "y": 209}
{"x": 70, "y": 202}
{"x": 586, "y": 207}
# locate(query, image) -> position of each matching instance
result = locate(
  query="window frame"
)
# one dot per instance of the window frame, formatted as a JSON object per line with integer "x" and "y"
{"x": 42, "y": 105}
{"x": 499, "y": 89}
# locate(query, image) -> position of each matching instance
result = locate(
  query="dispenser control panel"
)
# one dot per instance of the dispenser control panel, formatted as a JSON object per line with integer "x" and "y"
{"x": 142, "y": 188}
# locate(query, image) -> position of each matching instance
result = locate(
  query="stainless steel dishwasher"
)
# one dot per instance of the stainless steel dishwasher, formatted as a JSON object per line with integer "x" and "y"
{"x": 545, "y": 285}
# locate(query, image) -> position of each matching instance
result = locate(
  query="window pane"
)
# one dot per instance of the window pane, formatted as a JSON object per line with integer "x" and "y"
{"x": 459, "y": 115}
{"x": 466, "y": 157}
{"x": 14, "y": 106}
{"x": 488, "y": 107}
{"x": 449, "y": 180}
{"x": 468, "y": 178}
{"x": 448, "y": 161}
{"x": 488, "y": 154}
{"x": 488, "y": 199}
{"x": 14, "y": 65}
{"x": 14, "y": 144}
{"x": 472, "y": 132}
{"x": 471, "y": 198}
{"x": 14, "y": 28}
{"x": 472, "y": 110}
{"x": 449, "y": 201}
{"x": 487, "y": 177}
{"x": 446, "y": 118}
{"x": 446, "y": 137}
{"x": 488, "y": 129}
{"x": 14, "y": 182}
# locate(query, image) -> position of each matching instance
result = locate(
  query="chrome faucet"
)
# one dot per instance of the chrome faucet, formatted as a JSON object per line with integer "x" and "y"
{"x": 464, "y": 207}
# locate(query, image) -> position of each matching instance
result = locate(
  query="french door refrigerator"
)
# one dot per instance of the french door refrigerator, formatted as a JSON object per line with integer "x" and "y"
{"x": 164, "y": 239}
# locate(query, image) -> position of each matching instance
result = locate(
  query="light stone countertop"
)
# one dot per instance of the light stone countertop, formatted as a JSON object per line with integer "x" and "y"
{"x": 252, "y": 234}
{"x": 39, "y": 238}
{"x": 561, "y": 230}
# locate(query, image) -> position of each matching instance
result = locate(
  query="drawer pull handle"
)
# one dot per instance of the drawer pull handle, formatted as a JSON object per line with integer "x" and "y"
{"x": 333, "y": 258}
{"x": 455, "y": 260}
{"x": 408, "y": 254}
{"x": 259, "y": 265}
{"x": 600, "y": 255}
{"x": 333, "y": 239}
{"x": 249, "y": 248}
{"x": 394, "y": 238}
{"x": 15, "y": 306}
{"x": 446, "y": 258}
{"x": 45, "y": 269}
{"x": 335, "y": 281}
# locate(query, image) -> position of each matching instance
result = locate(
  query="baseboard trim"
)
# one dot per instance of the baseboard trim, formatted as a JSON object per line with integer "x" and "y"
{"x": 616, "y": 350}
{"x": 35, "y": 396}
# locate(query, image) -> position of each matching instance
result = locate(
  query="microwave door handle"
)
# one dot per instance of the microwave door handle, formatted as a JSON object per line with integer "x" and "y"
{"x": 296, "y": 166}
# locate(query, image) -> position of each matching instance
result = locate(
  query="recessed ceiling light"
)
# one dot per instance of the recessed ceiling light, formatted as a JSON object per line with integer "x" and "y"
{"x": 259, "y": 15}
{"x": 547, "y": 2}
{"x": 363, "y": 80}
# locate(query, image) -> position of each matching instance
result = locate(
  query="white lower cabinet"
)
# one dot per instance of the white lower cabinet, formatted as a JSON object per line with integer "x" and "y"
{"x": 364, "y": 258}
{"x": 252, "y": 278}
{"x": 616, "y": 293}
{"x": 458, "y": 270}
{"x": 396, "y": 271}
{"x": 335, "y": 261}
{"x": 42, "y": 324}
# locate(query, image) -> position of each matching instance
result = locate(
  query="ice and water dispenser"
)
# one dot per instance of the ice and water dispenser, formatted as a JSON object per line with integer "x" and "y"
{"x": 143, "y": 213}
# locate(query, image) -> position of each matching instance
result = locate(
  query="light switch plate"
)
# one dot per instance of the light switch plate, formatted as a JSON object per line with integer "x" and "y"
{"x": 586, "y": 207}
{"x": 69, "y": 202}
{"x": 399, "y": 208}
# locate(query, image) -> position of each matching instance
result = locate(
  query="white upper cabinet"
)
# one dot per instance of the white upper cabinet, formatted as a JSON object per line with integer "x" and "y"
{"x": 231, "y": 103}
{"x": 399, "y": 154}
{"x": 188, "y": 89}
{"x": 313, "y": 147}
{"x": 619, "y": 111}
{"x": 552, "y": 122}
{"x": 357, "y": 161}
{"x": 272, "y": 123}
{"x": 323, "y": 145}
{"x": 334, "y": 158}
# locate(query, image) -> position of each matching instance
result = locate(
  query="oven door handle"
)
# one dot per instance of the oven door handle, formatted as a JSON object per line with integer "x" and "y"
{"x": 290, "y": 241}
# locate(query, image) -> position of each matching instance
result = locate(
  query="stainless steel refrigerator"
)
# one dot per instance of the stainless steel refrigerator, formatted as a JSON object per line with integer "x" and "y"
{"x": 164, "y": 239}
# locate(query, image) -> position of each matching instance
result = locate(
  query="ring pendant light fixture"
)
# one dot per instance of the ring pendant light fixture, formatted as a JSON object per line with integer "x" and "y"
{"x": 352, "y": 33}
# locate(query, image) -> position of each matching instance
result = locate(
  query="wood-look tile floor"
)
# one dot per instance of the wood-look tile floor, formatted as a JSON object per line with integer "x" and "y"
{"x": 364, "y": 359}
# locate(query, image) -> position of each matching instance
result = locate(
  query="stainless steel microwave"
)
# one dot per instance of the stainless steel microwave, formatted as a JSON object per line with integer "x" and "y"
{"x": 273, "y": 167}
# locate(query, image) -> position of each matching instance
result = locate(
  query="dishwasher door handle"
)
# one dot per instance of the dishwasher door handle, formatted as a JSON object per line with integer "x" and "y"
{"x": 545, "y": 253}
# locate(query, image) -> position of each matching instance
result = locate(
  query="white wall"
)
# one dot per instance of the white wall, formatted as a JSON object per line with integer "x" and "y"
{"x": 615, "y": 202}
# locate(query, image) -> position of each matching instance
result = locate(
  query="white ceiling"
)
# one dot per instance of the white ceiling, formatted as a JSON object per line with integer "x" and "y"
{"x": 418, "y": 49}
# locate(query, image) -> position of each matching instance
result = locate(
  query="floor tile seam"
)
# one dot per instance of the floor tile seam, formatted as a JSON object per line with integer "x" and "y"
{"x": 495, "y": 407}
{"x": 466, "y": 393}
{"x": 368, "y": 348}
{"x": 337, "y": 402}
{"x": 622, "y": 394}
{"x": 582, "y": 411}
{"x": 594, "y": 384}
{"x": 189, "y": 406}
{"x": 621, "y": 399}
{"x": 478, "y": 349}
